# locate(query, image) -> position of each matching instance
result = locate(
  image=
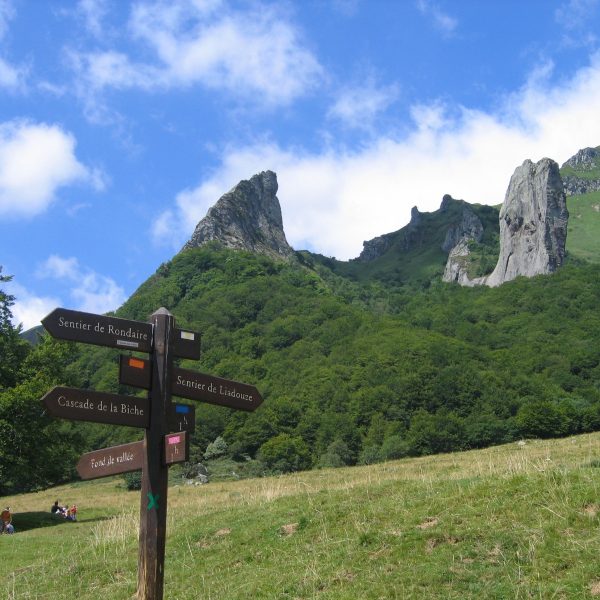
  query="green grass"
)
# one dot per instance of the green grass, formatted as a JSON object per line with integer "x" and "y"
{"x": 516, "y": 521}
{"x": 583, "y": 236}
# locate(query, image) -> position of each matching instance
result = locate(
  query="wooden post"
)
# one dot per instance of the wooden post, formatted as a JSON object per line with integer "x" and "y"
{"x": 153, "y": 507}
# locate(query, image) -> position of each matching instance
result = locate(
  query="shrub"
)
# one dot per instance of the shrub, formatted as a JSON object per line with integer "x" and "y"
{"x": 133, "y": 480}
{"x": 284, "y": 453}
{"x": 216, "y": 448}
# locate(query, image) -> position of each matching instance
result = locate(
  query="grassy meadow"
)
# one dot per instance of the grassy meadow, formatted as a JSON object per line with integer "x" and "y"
{"x": 583, "y": 239}
{"x": 514, "y": 521}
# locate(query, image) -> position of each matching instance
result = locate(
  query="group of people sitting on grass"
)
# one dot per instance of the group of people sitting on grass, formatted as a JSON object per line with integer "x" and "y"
{"x": 70, "y": 514}
{"x": 6, "y": 525}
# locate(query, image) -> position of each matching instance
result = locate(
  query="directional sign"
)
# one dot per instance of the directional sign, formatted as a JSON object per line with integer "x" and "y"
{"x": 111, "y": 461}
{"x": 98, "y": 407}
{"x": 215, "y": 390}
{"x": 182, "y": 417}
{"x": 135, "y": 371}
{"x": 130, "y": 457}
{"x": 186, "y": 344}
{"x": 177, "y": 448}
{"x": 89, "y": 328}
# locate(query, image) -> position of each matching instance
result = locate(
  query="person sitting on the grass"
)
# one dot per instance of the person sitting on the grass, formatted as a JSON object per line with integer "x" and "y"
{"x": 59, "y": 511}
{"x": 6, "y": 525}
{"x": 72, "y": 513}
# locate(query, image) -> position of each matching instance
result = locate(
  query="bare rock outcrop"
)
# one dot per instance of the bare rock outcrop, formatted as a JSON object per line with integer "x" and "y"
{"x": 469, "y": 227}
{"x": 248, "y": 217}
{"x": 580, "y": 172}
{"x": 533, "y": 228}
{"x": 533, "y": 223}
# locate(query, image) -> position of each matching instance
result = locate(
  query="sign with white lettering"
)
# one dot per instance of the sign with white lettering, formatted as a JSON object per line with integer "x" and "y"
{"x": 98, "y": 407}
{"x": 111, "y": 461}
{"x": 89, "y": 328}
{"x": 215, "y": 390}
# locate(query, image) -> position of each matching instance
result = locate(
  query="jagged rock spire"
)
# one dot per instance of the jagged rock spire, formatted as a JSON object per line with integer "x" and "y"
{"x": 248, "y": 217}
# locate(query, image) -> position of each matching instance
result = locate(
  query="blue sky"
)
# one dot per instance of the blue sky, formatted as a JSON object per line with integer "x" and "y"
{"x": 121, "y": 123}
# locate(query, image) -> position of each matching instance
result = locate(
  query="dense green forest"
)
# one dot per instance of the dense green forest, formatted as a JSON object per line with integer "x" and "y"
{"x": 356, "y": 364}
{"x": 350, "y": 372}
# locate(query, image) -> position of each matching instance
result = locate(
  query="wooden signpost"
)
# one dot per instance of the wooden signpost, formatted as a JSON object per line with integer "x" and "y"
{"x": 167, "y": 424}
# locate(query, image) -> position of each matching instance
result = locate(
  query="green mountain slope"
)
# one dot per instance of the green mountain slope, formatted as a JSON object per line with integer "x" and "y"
{"x": 583, "y": 238}
{"x": 364, "y": 361}
{"x": 516, "y": 521}
{"x": 413, "y": 255}
{"x": 354, "y": 372}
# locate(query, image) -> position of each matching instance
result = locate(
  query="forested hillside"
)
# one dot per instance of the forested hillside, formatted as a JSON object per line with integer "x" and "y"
{"x": 352, "y": 368}
{"x": 360, "y": 373}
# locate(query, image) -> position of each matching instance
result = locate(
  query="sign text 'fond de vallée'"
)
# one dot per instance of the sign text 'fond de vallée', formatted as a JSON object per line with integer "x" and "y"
{"x": 111, "y": 461}
{"x": 98, "y": 407}
{"x": 215, "y": 390}
{"x": 130, "y": 457}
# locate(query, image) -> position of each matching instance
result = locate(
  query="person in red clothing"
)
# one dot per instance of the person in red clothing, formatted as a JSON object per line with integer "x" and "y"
{"x": 6, "y": 525}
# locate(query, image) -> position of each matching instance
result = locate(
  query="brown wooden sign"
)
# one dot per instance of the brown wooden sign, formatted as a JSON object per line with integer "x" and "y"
{"x": 186, "y": 344}
{"x": 215, "y": 390}
{"x": 129, "y": 457}
{"x": 111, "y": 461}
{"x": 182, "y": 417}
{"x": 89, "y": 328}
{"x": 157, "y": 414}
{"x": 134, "y": 371}
{"x": 98, "y": 407}
{"x": 177, "y": 448}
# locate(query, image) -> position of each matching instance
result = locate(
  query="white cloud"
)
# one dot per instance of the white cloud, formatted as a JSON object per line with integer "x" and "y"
{"x": 29, "y": 309}
{"x": 334, "y": 200}
{"x": 90, "y": 291}
{"x": 576, "y": 15}
{"x": 359, "y": 106}
{"x": 7, "y": 12}
{"x": 59, "y": 268}
{"x": 441, "y": 20}
{"x": 93, "y": 13}
{"x": 35, "y": 161}
{"x": 256, "y": 55}
{"x": 12, "y": 78}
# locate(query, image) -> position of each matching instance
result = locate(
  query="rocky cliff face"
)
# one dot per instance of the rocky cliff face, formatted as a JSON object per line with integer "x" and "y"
{"x": 581, "y": 173}
{"x": 248, "y": 217}
{"x": 409, "y": 237}
{"x": 453, "y": 221}
{"x": 469, "y": 227}
{"x": 533, "y": 223}
{"x": 533, "y": 228}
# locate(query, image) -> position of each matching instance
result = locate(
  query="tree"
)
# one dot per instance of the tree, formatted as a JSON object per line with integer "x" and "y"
{"x": 541, "y": 418}
{"x": 216, "y": 448}
{"x": 13, "y": 349}
{"x": 35, "y": 450}
{"x": 284, "y": 453}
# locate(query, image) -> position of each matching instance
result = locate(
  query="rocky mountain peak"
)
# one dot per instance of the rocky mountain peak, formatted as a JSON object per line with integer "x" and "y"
{"x": 248, "y": 217}
{"x": 585, "y": 160}
{"x": 581, "y": 173}
{"x": 533, "y": 228}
